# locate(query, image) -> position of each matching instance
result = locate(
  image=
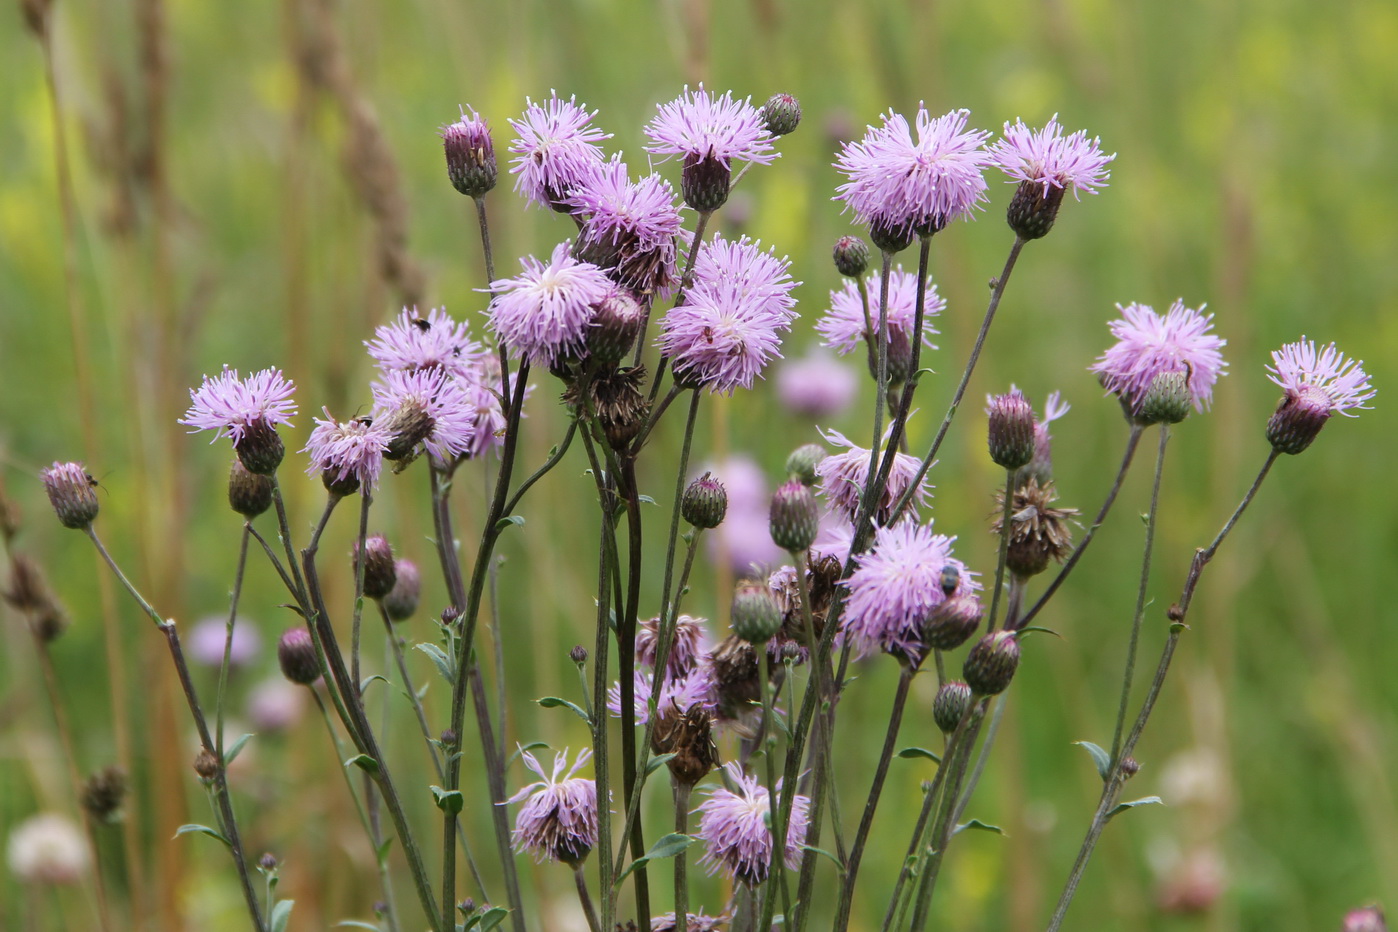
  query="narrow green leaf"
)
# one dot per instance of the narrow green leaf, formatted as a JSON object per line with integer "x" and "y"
{"x": 978, "y": 825}
{"x": 833, "y": 860}
{"x": 493, "y": 917}
{"x": 439, "y": 657}
{"x": 281, "y": 915}
{"x": 369, "y": 679}
{"x": 645, "y": 499}
{"x": 356, "y": 924}
{"x": 364, "y": 762}
{"x": 1143, "y": 801}
{"x": 1178, "y": 626}
{"x": 658, "y": 761}
{"x": 448, "y": 800}
{"x": 667, "y": 846}
{"x": 553, "y": 702}
{"x": 908, "y": 753}
{"x": 1101, "y": 758}
{"x": 516, "y": 520}
{"x": 381, "y": 852}
{"x": 231, "y": 752}
{"x": 191, "y": 828}
{"x": 1039, "y": 628}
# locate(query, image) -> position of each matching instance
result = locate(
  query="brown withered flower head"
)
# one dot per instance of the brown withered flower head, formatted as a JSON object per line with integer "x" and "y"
{"x": 619, "y": 401}
{"x": 1038, "y": 532}
{"x": 688, "y": 734}
{"x": 736, "y": 679}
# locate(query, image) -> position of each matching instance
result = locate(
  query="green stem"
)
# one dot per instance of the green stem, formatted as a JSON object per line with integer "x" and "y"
{"x": 1006, "y": 521}
{"x": 682, "y": 859}
{"x": 778, "y": 815}
{"x": 228, "y": 639}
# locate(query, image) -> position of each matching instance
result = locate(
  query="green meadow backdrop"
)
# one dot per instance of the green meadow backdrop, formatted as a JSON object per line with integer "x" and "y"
{"x": 260, "y": 184}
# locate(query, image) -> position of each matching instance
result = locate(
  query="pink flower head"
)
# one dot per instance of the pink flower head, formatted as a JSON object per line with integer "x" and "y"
{"x": 429, "y": 402}
{"x": 677, "y": 696}
{"x": 816, "y": 386}
{"x": 843, "y": 476}
{"x": 761, "y": 279}
{"x": 848, "y": 323}
{"x": 413, "y": 342}
{"x": 353, "y": 449}
{"x": 900, "y": 186}
{"x": 1149, "y": 345}
{"x": 691, "y": 640}
{"x": 895, "y": 586}
{"x": 1324, "y": 378}
{"x": 206, "y": 640}
{"x": 233, "y": 406}
{"x": 556, "y": 149}
{"x": 735, "y": 831}
{"x": 699, "y": 125}
{"x": 482, "y": 384}
{"x": 559, "y": 820}
{"x": 1051, "y": 160}
{"x": 544, "y": 312}
{"x": 629, "y": 229}
{"x": 470, "y": 154}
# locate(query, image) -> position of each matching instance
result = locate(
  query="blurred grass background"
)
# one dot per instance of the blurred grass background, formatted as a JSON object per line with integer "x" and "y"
{"x": 260, "y": 184}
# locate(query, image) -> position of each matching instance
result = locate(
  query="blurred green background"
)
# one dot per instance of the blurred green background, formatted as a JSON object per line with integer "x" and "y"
{"x": 261, "y": 184}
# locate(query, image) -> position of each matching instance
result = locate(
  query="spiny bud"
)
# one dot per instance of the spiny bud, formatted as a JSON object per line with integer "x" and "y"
{"x": 705, "y": 502}
{"x": 206, "y": 765}
{"x": 952, "y": 623}
{"x": 1033, "y": 209}
{"x": 72, "y": 492}
{"x": 248, "y": 493}
{"x": 103, "y": 794}
{"x": 578, "y": 654}
{"x": 950, "y": 706}
{"x": 851, "y": 256}
{"x": 401, "y": 601}
{"x": 991, "y": 664}
{"x": 260, "y": 447}
{"x": 1298, "y": 419}
{"x": 616, "y": 322}
{"x": 296, "y": 654}
{"x": 781, "y": 114}
{"x": 802, "y": 462}
{"x": 756, "y": 617}
{"x": 794, "y": 520}
{"x": 379, "y": 571}
{"x": 1011, "y": 433}
{"x": 704, "y": 182}
{"x": 470, "y": 155}
{"x": 1168, "y": 400}
{"x": 891, "y": 239}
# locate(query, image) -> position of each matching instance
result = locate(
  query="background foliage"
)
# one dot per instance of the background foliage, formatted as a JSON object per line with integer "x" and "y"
{"x": 232, "y": 206}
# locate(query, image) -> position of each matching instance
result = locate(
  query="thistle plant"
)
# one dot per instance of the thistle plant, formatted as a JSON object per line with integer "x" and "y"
{"x": 636, "y": 315}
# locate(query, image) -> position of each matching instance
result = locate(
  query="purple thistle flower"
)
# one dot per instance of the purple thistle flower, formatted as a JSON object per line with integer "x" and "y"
{"x": 677, "y": 696}
{"x": 413, "y": 342}
{"x": 353, "y": 449}
{"x": 816, "y": 386}
{"x": 559, "y": 820}
{"x": 699, "y": 125}
{"x": 545, "y": 312}
{"x": 1325, "y": 377}
{"x": 691, "y": 640}
{"x": 735, "y": 831}
{"x": 425, "y": 406}
{"x": 234, "y": 406}
{"x": 760, "y": 278}
{"x": 843, "y": 476}
{"x": 1049, "y": 159}
{"x": 470, "y": 154}
{"x": 1149, "y": 345}
{"x": 629, "y": 229}
{"x": 848, "y": 323}
{"x": 72, "y": 492}
{"x": 205, "y": 642}
{"x": 556, "y": 149}
{"x": 900, "y": 187}
{"x": 895, "y": 586}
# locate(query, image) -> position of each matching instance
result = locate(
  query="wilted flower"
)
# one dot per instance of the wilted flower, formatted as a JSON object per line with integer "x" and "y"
{"x": 736, "y": 832}
{"x": 1149, "y": 345}
{"x": 1038, "y": 531}
{"x": 691, "y": 638}
{"x": 556, "y": 149}
{"x": 559, "y": 820}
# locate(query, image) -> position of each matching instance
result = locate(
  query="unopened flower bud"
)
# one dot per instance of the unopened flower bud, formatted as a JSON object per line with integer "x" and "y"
{"x": 260, "y": 447}
{"x": 379, "y": 571}
{"x": 704, "y": 182}
{"x": 206, "y": 765}
{"x": 578, "y": 654}
{"x": 450, "y": 616}
{"x": 991, "y": 664}
{"x": 1298, "y": 419}
{"x": 705, "y": 502}
{"x": 448, "y": 738}
{"x": 72, "y": 492}
{"x": 296, "y": 654}
{"x": 1129, "y": 768}
{"x": 249, "y": 494}
{"x": 950, "y": 706}
{"x": 1011, "y": 433}
{"x": 1168, "y": 400}
{"x": 1368, "y": 919}
{"x": 103, "y": 794}
{"x": 891, "y": 239}
{"x": 952, "y": 623}
{"x": 470, "y": 155}
{"x": 268, "y": 862}
{"x": 401, "y": 602}
{"x": 802, "y": 462}
{"x": 616, "y": 322}
{"x": 756, "y": 617}
{"x": 1033, "y": 209}
{"x": 781, "y": 114}
{"x": 851, "y": 256}
{"x": 794, "y": 519}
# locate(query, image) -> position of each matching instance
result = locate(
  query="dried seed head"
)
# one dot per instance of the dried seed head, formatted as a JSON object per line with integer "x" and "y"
{"x": 1038, "y": 532}
{"x": 736, "y": 679}
{"x": 619, "y": 402}
{"x": 689, "y": 736}
{"x": 206, "y": 765}
{"x": 103, "y": 794}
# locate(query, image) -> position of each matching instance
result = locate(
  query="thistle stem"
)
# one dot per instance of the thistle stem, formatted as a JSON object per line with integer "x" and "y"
{"x": 1006, "y": 521}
